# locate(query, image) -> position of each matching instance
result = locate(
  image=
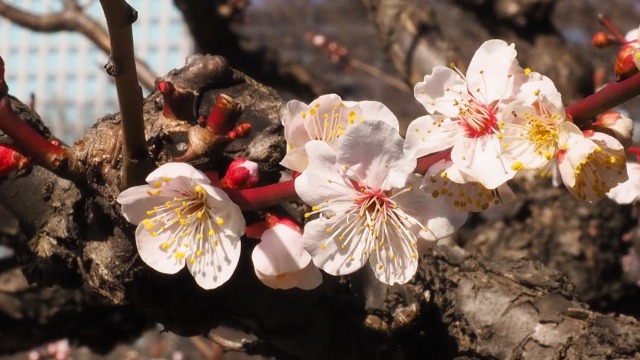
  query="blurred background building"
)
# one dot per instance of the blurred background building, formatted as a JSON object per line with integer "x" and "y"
{"x": 64, "y": 70}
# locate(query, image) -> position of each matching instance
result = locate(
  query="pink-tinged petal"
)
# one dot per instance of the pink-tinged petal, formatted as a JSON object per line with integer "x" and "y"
{"x": 570, "y": 137}
{"x": 158, "y": 251}
{"x": 481, "y": 159}
{"x": 137, "y": 200}
{"x": 321, "y": 181}
{"x": 374, "y": 110}
{"x": 628, "y": 191}
{"x": 329, "y": 252}
{"x": 280, "y": 251}
{"x": 296, "y": 159}
{"x": 394, "y": 266}
{"x": 217, "y": 262}
{"x": 493, "y": 71}
{"x": 174, "y": 170}
{"x": 439, "y": 91}
{"x": 430, "y": 134}
{"x": 373, "y": 153}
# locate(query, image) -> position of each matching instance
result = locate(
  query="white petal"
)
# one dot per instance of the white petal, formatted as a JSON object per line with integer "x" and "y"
{"x": 217, "y": 262}
{"x": 396, "y": 266}
{"x": 280, "y": 251}
{"x": 373, "y": 151}
{"x": 280, "y": 281}
{"x": 628, "y": 191}
{"x": 438, "y": 91}
{"x": 321, "y": 180}
{"x": 136, "y": 201}
{"x": 294, "y": 130}
{"x": 430, "y": 134}
{"x": 153, "y": 254}
{"x": 296, "y": 159}
{"x": 174, "y": 170}
{"x": 481, "y": 159}
{"x": 336, "y": 257}
{"x": 223, "y": 208}
{"x": 310, "y": 277}
{"x": 542, "y": 90}
{"x": 492, "y": 71}
{"x": 374, "y": 110}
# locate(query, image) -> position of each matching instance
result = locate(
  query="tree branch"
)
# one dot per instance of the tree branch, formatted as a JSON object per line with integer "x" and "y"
{"x": 136, "y": 162}
{"x": 73, "y": 18}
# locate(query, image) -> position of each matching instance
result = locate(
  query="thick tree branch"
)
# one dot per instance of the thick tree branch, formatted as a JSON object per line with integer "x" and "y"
{"x": 73, "y": 18}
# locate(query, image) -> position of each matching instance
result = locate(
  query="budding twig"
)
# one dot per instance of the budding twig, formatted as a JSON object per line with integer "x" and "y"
{"x": 136, "y": 161}
{"x": 604, "y": 20}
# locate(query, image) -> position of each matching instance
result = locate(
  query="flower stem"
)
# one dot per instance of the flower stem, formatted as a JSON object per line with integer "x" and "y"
{"x": 604, "y": 20}
{"x": 611, "y": 95}
{"x": 262, "y": 197}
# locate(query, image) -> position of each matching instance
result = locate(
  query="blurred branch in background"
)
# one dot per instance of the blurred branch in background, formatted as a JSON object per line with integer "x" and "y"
{"x": 73, "y": 18}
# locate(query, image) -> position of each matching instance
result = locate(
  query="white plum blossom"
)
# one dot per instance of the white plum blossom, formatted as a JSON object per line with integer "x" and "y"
{"x": 183, "y": 220}
{"x": 466, "y": 113}
{"x": 369, "y": 205}
{"x": 536, "y": 131}
{"x": 325, "y": 119}
{"x": 281, "y": 262}
{"x": 591, "y": 165}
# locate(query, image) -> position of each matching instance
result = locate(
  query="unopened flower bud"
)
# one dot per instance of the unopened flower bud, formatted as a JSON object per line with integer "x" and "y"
{"x": 625, "y": 65}
{"x": 616, "y": 125}
{"x": 11, "y": 160}
{"x": 602, "y": 39}
{"x": 241, "y": 174}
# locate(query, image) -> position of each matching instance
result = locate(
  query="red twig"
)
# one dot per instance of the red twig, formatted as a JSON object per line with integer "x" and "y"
{"x": 604, "y": 20}
{"x": 611, "y": 95}
{"x": 262, "y": 197}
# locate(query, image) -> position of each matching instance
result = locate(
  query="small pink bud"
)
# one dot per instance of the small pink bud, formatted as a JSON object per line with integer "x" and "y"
{"x": 11, "y": 160}
{"x": 616, "y": 125}
{"x": 241, "y": 174}
{"x": 625, "y": 65}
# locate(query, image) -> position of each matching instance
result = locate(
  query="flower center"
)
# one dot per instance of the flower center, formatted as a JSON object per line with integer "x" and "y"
{"x": 188, "y": 215}
{"x": 373, "y": 217}
{"x": 477, "y": 119}
{"x": 588, "y": 171}
{"x": 326, "y": 124}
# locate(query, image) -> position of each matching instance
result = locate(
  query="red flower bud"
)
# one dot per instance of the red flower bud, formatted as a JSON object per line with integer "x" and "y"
{"x": 241, "y": 174}
{"x": 625, "y": 65}
{"x": 11, "y": 160}
{"x": 602, "y": 39}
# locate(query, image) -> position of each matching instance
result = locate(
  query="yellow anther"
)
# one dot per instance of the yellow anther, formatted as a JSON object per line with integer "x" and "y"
{"x": 165, "y": 245}
{"x": 180, "y": 255}
{"x": 157, "y": 184}
{"x": 200, "y": 213}
{"x": 211, "y": 232}
{"x": 154, "y": 234}
{"x": 220, "y": 221}
{"x": 527, "y": 71}
{"x": 517, "y": 166}
{"x": 198, "y": 252}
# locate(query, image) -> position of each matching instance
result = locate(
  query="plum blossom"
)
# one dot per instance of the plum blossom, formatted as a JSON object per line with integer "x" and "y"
{"x": 183, "y": 220}
{"x": 280, "y": 260}
{"x": 466, "y": 113}
{"x": 536, "y": 131}
{"x": 369, "y": 205}
{"x": 326, "y": 118}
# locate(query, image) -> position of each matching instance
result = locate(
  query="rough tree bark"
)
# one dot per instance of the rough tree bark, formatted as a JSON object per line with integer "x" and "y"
{"x": 457, "y": 305}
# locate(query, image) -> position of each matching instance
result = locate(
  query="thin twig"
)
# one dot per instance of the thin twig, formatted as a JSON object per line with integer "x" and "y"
{"x": 136, "y": 163}
{"x": 226, "y": 344}
{"x": 73, "y": 18}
